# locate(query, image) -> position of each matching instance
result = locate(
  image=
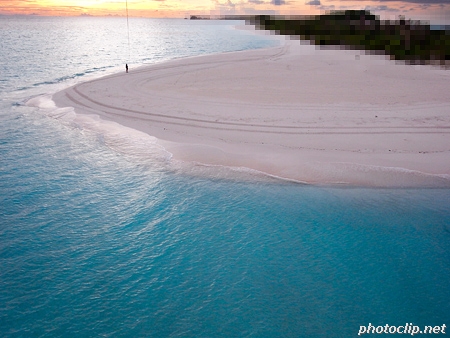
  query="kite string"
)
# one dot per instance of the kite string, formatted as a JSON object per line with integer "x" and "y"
{"x": 128, "y": 30}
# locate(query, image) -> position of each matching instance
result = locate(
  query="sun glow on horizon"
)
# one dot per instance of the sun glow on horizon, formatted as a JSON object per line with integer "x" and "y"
{"x": 85, "y": 7}
{"x": 414, "y": 9}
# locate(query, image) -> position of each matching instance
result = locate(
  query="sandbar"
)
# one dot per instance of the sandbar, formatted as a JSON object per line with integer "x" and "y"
{"x": 294, "y": 111}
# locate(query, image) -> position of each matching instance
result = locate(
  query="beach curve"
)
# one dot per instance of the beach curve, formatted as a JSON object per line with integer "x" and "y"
{"x": 293, "y": 111}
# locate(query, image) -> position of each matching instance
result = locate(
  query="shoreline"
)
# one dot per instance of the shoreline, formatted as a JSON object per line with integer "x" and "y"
{"x": 294, "y": 111}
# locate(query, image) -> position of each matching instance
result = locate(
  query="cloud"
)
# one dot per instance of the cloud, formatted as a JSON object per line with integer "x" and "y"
{"x": 278, "y": 2}
{"x": 256, "y": 2}
{"x": 327, "y": 8}
{"x": 423, "y": 2}
{"x": 381, "y": 8}
{"x": 226, "y": 7}
{"x": 228, "y": 3}
{"x": 313, "y": 3}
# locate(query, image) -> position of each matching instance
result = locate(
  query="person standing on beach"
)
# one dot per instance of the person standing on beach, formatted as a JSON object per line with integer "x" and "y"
{"x": 126, "y": 67}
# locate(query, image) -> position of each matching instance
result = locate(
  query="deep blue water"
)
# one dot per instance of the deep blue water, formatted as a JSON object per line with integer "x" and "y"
{"x": 102, "y": 234}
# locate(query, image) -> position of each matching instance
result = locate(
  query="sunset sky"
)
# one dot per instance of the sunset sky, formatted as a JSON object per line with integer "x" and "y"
{"x": 435, "y": 10}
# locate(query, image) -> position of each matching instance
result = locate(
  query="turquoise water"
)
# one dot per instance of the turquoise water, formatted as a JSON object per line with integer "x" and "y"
{"x": 100, "y": 236}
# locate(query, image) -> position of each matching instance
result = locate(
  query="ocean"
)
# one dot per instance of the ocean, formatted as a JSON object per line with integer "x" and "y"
{"x": 103, "y": 234}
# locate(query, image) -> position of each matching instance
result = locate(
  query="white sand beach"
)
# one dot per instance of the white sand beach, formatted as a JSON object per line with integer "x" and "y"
{"x": 294, "y": 111}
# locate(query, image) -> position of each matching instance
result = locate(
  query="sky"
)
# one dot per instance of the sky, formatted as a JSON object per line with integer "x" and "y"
{"x": 437, "y": 11}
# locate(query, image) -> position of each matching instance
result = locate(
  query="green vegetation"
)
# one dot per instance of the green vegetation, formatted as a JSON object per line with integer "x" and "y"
{"x": 409, "y": 41}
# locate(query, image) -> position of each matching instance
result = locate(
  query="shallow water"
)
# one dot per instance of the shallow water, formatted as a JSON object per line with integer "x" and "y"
{"x": 103, "y": 234}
